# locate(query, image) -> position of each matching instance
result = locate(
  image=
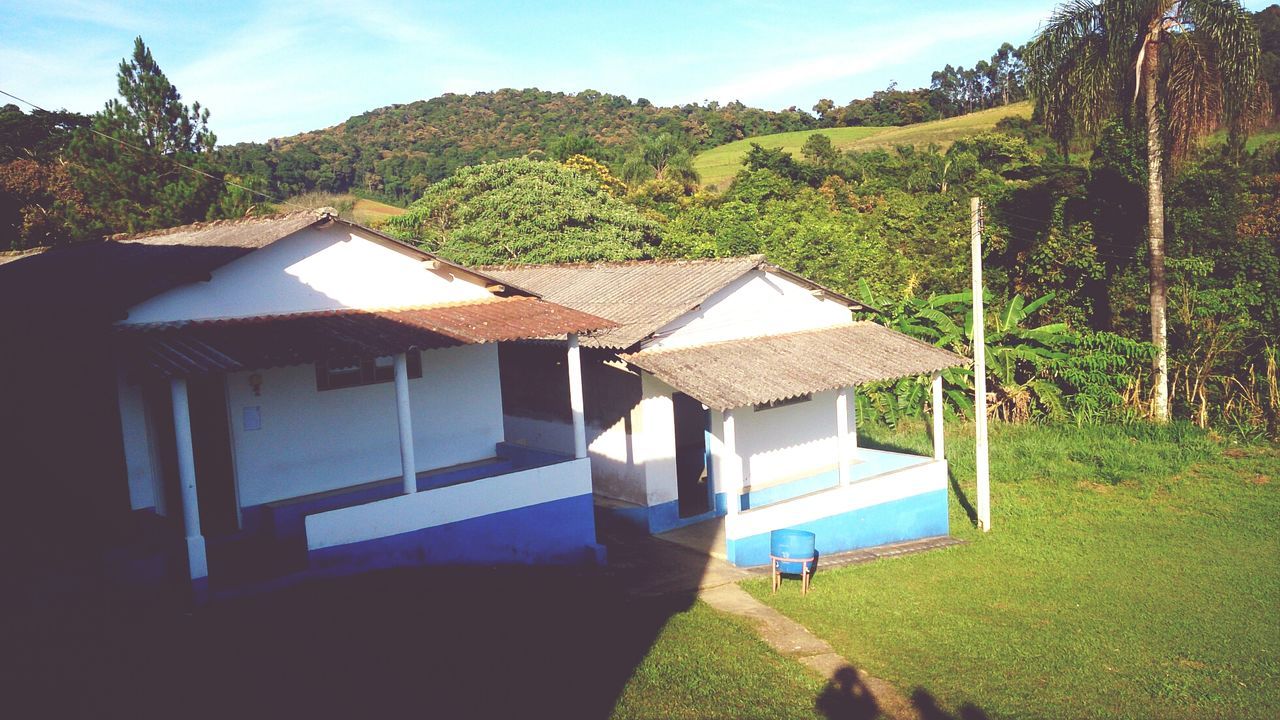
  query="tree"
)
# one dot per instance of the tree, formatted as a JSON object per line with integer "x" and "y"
{"x": 661, "y": 157}
{"x": 1194, "y": 63}
{"x": 525, "y": 211}
{"x": 128, "y": 163}
{"x": 41, "y": 135}
{"x": 819, "y": 151}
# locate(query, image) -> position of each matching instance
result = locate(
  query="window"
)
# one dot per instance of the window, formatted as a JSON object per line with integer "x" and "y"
{"x": 785, "y": 402}
{"x": 369, "y": 371}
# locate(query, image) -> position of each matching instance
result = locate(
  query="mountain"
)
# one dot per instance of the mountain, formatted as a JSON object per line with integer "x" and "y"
{"x": 395, "y": 152}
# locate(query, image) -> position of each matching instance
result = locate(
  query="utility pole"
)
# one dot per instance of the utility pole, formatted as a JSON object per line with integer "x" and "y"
{"x": 980, "y": 369}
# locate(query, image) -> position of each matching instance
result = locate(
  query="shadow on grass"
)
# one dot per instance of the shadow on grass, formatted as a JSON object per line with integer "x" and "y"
{"x": 458, "y": 642}
{"x": 927, "y": 706}
{"x": 847, "y": 697}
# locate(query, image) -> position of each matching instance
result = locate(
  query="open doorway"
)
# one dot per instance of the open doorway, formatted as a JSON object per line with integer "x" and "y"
{"x": 692, "y": 487}
{"x": 211, "y": 443}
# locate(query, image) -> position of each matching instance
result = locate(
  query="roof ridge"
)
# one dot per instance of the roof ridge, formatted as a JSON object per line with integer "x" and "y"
{"x": 319, "y": 213}
{"x": 756, "y": 258}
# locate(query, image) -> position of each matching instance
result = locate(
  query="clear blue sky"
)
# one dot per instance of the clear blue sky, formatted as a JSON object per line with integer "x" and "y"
{"x": 278, "y": 67}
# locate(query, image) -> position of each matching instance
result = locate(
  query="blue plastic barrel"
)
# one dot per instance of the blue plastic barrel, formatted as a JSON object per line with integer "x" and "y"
{"x": 789, "y": 544}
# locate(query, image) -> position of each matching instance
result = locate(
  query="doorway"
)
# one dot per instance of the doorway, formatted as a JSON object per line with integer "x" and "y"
{"x": 211, "y": 445}
{"x": 691, "y": 425}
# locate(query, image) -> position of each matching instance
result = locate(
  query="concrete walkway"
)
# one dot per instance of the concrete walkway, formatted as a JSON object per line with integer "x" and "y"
{"x": 650, "y": 566}
{"x": 847, "y": 685}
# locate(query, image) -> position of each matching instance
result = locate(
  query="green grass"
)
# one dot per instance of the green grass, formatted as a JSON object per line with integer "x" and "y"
{"x": 718, "y": 165}
{"x": 943, "y": 132}
{"x": 706, "y": 664}
{"x": 349, "y": 206}
{"x": 1256, "y": 139}
{"x": 1131, "y": 572}
{"x": 371, "y": 212}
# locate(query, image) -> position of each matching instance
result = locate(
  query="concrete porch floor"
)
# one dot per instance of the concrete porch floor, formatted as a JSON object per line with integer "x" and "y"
{"x": 705, "y": 537}
{"x": 681, "y": 560}
{"x": 708, "y": 538}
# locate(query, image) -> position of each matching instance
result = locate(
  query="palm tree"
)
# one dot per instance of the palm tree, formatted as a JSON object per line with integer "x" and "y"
{"x": 661, "y": 157}
{"x": 1194, "y": 63}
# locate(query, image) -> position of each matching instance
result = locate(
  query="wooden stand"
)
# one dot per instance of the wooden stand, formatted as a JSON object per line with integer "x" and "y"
{"x": 806, "y": 572}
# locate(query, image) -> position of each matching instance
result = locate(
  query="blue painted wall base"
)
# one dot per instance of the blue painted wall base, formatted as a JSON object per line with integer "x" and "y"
{"x": 910, "y": 518}
{"x": 556, "y": 532}
{"x": 654, "y": 519}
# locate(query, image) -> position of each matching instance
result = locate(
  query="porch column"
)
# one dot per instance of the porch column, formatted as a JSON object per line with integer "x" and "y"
{"x": 731, "y": 467}
{"x": 408, "y": 466}
{"x": 196, "y": 560}
{"x": 937, "y": 416}
{"x": 575, "y": 398}
{"x": 846, "y": 442}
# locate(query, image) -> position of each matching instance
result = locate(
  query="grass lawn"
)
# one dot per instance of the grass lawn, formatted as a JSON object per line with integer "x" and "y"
{"x": 349, "y": 206}
{"x": 506, "y": 642}
{"x": 1257, "y": 138}
{"x": 369, "y": 212}
{"x": 706, "y": 664}
{"x": 718, "y": 165}
{"x": 1131, "y": 572}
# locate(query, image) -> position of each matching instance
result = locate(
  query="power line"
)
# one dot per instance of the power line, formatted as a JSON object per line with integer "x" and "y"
{"x": 148, "y": 152}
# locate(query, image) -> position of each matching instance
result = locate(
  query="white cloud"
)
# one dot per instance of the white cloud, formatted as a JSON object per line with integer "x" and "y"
{"x": 774, "y": 82}
{"x": 104, "y": 13}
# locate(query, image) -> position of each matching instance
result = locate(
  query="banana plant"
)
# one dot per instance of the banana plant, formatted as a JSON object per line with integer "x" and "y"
{"x": 1033, "y": 371}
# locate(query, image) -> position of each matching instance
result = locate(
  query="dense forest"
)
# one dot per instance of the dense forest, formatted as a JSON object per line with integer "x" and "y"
{"x": 393, "y": 153}
{"x": 533, "y": 176}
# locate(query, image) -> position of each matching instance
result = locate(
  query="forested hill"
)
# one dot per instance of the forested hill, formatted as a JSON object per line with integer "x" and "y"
{"x": 396, "y": 151}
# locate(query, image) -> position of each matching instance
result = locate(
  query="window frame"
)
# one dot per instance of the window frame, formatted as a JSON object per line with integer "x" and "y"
{"x": 365, "y": 372}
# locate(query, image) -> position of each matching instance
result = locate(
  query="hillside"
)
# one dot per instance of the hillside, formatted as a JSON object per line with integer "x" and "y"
{"x": 397, "y": 151}
{"x": 351, "y": 207}
{"x": 717, "y": 166}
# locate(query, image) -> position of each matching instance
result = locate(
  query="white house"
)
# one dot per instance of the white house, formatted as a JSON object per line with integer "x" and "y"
{"x": 725, "y": 398}
{"x": 306, "y": 392}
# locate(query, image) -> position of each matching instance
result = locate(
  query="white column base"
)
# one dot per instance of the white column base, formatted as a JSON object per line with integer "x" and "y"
{"x": 196, "y": 559}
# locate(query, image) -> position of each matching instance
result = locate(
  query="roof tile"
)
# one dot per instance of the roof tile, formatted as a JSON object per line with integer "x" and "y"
{"x": 640, "y": 296}
{"x": 220, "y": 346}
{"x": 736, "y": 373}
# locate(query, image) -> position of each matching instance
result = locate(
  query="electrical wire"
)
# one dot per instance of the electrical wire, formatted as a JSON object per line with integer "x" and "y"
{"x": 148, "y": 152}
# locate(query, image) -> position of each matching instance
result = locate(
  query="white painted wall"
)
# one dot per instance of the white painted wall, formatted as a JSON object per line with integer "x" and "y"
{"x": 138, "y": 460}
{"x": 314, "y": 269}
{"x": 553, "y": 435}
{"x": 617, "y": 471}
{"x": 928, "y": 476}
{"x": 775, "y": 446}
{"x": 758, "y": 303}
{"x": 430, "y": 508}
{"x": 656, "y": 447}
{"x": 788, "y": 442}
{"x": 312, "y": 441}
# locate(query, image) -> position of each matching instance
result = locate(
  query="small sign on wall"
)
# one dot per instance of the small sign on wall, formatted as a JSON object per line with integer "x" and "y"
{"x": 253, "y": 418}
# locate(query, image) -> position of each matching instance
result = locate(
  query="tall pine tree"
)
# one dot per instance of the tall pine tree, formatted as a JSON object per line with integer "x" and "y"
{"x": 129, "y": 166}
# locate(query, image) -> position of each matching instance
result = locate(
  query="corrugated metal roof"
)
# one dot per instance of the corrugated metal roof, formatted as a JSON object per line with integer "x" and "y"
{"x": 641, "y": 296}
{"x": 248, "y": 232}
{"x": 219, "y": 346}
{"x": 751, "y": 371}
{"x": 93, "y": 281}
